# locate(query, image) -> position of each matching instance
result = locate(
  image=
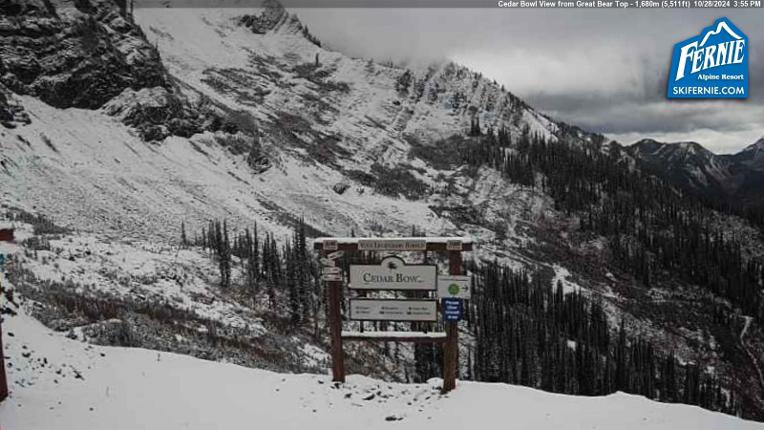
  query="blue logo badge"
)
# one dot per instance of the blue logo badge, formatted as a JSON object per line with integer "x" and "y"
{"x": 711, "y": 65}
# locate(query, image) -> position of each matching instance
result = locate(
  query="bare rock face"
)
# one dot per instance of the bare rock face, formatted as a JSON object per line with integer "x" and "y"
{"x": 158, "y": 113}
{"x": 155, "y": 113}
{"x": 257, "y": 159}
{"x": 78, "y": 54}
{"x": 11, "y": 112}
{"x": 340, "y": 187}
{"x": 275, "y": 18}
{"x": 89, "y": 54}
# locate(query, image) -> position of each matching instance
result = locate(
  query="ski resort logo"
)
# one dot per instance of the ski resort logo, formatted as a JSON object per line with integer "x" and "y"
{"x": 711, "y": 65}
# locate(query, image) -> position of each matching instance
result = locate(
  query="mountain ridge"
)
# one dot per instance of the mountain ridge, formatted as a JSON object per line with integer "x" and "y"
{"x": 733, "y": 180}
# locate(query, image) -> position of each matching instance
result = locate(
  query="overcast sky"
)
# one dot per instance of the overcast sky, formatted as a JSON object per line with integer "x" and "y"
{"x": 604, "y": 70}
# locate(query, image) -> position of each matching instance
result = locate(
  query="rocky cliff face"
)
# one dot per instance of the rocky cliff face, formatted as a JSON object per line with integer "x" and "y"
{"x": 11, "y": 111}
{"x": 77, "y": 55}
{"x": 88, "y": 54}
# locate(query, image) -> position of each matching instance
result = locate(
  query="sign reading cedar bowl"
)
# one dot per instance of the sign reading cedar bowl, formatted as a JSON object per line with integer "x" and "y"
{"x": 393, "y": 274}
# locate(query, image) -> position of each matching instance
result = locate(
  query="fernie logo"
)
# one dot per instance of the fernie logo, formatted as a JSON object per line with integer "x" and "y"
{"x": 711, "y": 65}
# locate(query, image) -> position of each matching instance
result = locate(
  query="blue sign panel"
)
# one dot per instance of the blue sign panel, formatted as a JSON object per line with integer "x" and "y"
{"x": 453, "y": 309}
{"x": 711, "y": 65}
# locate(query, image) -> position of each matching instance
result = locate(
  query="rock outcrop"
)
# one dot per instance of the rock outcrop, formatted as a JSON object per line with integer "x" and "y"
{"x": 78, "y": 54}
{"x": 11, "y": 112}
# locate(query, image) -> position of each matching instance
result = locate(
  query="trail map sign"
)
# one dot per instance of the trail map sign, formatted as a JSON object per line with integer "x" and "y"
{"x": 393, "y": 274}
{"x": 393, "y": 310}
{"x": 454, "y": 287}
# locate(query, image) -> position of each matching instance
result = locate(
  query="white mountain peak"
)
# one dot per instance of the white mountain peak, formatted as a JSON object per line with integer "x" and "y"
{"x": 721, "y": 25}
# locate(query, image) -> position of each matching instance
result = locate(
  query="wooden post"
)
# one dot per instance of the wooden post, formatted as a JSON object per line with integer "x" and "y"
{"x": 3, "y": 378}
{"x": 335, "y": 329}
{"x": 451, "y": 346}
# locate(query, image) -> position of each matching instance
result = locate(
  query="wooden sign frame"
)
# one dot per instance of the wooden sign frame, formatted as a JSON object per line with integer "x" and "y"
{"x": 451, "y": 246}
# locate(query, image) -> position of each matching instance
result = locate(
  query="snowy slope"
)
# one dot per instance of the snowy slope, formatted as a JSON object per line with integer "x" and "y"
{"x": 98, "y": 176}
{"x": 67, "y": 385}
{"x": 356, "y": 99}
{"x": 318, "y": 126}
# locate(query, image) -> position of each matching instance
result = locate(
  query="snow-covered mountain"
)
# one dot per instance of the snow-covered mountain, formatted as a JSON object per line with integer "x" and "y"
{"x": 752, "y": 155}
{"x": 252, "y": 120}
{"x": 735, "y": 179}
{"x": 343, "y": 121}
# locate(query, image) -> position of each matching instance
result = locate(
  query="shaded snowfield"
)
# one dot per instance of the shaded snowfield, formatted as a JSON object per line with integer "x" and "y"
{"x": 121, "y": 388}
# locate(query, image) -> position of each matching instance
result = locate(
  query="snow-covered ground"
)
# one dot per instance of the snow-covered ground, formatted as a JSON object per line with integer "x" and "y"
{"x": 136, "y": 277}
{"x": 138, "y": 270}
{"x": 62, "y": 384}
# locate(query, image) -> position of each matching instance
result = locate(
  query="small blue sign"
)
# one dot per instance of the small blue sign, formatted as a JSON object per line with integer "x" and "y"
{"x": 2, "y": 261}
{"x": 453, "y": 309}
{"x": 710, "y": 65}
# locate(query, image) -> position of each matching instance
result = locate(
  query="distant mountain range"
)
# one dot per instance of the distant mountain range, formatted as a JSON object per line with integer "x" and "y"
{"x": 735, "y": 180}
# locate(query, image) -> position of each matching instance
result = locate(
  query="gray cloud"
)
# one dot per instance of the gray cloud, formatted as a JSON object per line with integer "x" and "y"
{"x": 604, "y": 70}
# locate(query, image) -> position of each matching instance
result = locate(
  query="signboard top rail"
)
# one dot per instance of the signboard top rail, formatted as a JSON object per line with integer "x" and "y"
{"x": 393, "y": 243}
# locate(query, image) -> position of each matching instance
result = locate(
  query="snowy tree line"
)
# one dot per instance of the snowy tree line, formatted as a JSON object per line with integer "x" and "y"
{"x": 531, "y": 333}
{"x": 267, "y": 268}
{"x": 652, "y": 228}
{"x": 526, "y": 331}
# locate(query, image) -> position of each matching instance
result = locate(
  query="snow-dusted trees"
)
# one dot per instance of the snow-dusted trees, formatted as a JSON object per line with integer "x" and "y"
{"x": 475, "y": 126}
{"x": 652, "y": 228}
{"x": 216, "y": 239}
{"x": 288, "y": 275}
{"x": 403, "y": 83}
{"x": 529, "y": 333}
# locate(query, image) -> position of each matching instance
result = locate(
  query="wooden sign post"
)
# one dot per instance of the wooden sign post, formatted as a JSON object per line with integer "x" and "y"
{"x": 451, "y": 348}
{"x": 392, "y": 274}
{"x": 335, "y": 326}
{"x": 3, "y": 377}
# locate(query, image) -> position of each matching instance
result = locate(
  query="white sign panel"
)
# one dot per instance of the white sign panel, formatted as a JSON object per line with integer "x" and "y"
{"x": 393, "y": 310}
{"x": 330, "y": 245}
{"x": 331, "y": 277}
{"x": 454, "y": 245}
{"x": 456, "y": 287}
{"x": 393, "y": 274}
{"x": 392, "y": 245}
{"x": 333, "y": 270}
{"x": 335, "y": 255}
{"x": 327, "y": 262}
